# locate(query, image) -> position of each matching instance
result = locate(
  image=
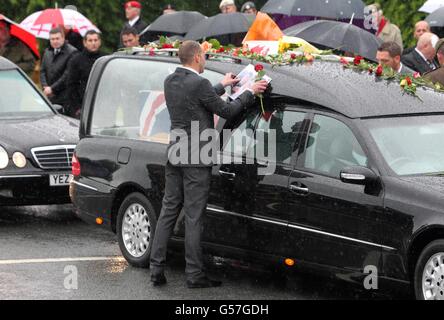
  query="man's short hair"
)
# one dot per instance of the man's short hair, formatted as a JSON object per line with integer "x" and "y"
{"x": 130, "y": 31}
{"x": 392, "y": 48}
{"x": 188, "y": 50}
{"x": 92, "y": 32}
{"x": 57, "y": 30}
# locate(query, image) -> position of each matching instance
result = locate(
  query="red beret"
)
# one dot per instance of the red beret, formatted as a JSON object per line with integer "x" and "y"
{"x": 133, "y": 4}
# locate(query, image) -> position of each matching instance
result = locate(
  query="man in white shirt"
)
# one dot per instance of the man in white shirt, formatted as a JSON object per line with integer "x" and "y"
{"x": 389, "y": 54}
{"x": 133, "y": 10}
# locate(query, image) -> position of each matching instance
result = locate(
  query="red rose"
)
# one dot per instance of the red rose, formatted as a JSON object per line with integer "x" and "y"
{"x": 259, "y": 68}
{"x": 379, "y": 71}
{"x": 409, "y": 81}
{"x": 293, "y": 56}
{"x": 221, "y": 50}
{"x": 357, "y": 60}
{"x": 167, "y": 46}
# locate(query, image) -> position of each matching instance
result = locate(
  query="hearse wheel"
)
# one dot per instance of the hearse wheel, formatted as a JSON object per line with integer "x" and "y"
{"x": 429, "y": 273}
{"x": 136, "y": 223}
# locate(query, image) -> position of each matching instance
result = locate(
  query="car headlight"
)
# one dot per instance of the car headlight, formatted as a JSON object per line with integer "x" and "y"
{"x": 4, "y": 158}
{"x": 19, "y": 160}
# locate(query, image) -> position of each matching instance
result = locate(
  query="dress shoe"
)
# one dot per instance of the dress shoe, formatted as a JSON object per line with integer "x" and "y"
{"x": 158, "y": 280}
{"x": 203, "y": 283}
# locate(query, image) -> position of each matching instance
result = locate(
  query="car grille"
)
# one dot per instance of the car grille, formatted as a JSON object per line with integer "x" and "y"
{"x": 54, "y": 157}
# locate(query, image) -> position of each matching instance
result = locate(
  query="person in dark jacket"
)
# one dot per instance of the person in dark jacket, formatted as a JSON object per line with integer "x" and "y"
{"x": 422, "y": 58}
{"x": 79, "y": 69}
{"x": 437, "y": 76}
{"x": 192, "y": 102}
{"x": 133, "y": 10}
{"x": 54, "y": 69}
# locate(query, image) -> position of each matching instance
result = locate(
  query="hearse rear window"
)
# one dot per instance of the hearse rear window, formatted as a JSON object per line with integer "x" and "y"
{"x": 130, "y": 100}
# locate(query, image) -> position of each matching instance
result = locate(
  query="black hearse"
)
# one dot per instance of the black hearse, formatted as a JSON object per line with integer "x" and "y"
{"x": 36, "y": 143}
{"x": 358, "y": 183}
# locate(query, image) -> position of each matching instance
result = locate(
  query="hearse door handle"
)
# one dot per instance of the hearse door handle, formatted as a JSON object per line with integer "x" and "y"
{"x": 299, "y": 189}
{"x": 228, "y": 175}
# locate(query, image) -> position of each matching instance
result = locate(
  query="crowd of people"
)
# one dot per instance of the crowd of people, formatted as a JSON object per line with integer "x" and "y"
{"x": 67, "y": 62}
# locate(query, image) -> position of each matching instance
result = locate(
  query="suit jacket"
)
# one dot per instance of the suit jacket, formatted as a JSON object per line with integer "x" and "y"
{"x": 436, "y": 76}
{"x": 415, "y": 62}
{"x": 140, "y": 25}
{"x": 406, "y": 70}
{"x": 192, "y": 103}
{"x": 54, "y": 72}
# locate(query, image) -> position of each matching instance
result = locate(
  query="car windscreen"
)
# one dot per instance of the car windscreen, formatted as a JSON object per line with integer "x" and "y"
{"x": 18, "y": 98}
{"x": 411, "y": 145}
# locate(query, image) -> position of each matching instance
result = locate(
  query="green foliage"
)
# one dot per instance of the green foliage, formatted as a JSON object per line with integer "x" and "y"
{"x": 109, "y": 15}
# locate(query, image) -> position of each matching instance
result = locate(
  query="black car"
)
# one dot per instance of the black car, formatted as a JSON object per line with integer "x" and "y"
{"x": 357, "y": 189}
{"x": 36, "y": 143}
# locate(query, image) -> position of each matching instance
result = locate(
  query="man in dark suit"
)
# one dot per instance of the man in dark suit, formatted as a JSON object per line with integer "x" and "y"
{"x": 54, "y": 70}
{"x": 192, "y": 103}
{"x": 422, "y": 58}
{"x": 133, "y": 10}
{"x": 389, "y": 54}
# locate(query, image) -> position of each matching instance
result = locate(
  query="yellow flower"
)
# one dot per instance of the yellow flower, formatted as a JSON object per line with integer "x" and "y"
{"x": 403, "y": 83}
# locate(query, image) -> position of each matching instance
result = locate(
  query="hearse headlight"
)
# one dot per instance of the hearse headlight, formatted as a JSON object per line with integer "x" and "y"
{"x": 19, "y": 160}
{"x": 4, "y": 158}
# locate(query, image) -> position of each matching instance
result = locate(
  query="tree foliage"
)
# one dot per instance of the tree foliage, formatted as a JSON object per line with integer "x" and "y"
{"x": 109, "y": 16}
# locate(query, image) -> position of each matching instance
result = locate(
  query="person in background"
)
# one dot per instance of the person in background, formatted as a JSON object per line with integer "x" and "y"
{"x": 386, "y": 31}
{"x": 422, "y": 58}
{"x": 249, "y": 8}
{"x": 79, "y": 69}
{"x": 133, "y": 11}
{"x": 16, "y": 51}
{"x": 130, "y": 38}
{"x": 437, "y": 76}
{"x": 74, "y": 38}
{"x": 389, "y": 54}
{"x": 54, "y": 68}
{"x": 227, "y": 6}
{"x": 421, "y": 27}
{"x": 169, "y": 8}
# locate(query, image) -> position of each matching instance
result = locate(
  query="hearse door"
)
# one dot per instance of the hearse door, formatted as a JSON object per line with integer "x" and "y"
{"x": 340, "y": 224}
{"x": 230, "y": 199}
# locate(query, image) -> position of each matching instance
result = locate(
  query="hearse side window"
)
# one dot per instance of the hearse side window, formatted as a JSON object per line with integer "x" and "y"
{"x": 130, "y": 100}
{"x": 332, "y": 146}
{"x": 287, "y": 126}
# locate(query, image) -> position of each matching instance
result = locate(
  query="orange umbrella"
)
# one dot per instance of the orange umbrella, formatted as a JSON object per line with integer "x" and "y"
{"x": 264, "y": 28}
{"x": 24, "y": 36}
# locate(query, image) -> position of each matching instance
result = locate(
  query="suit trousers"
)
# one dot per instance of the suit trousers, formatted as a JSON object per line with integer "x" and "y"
{"x": 186, "y": 188}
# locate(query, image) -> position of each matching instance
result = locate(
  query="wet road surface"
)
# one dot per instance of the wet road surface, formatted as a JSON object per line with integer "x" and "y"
{"x": 47, "y": 253}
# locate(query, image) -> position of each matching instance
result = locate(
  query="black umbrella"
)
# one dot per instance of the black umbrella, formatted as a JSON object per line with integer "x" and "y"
{"x": 436, "y": 18}
{"x": 220, "y": 25}
{"x": 334, "y": 9}
{"x": 337, "y": 35}
{"x": 176, "y": 23}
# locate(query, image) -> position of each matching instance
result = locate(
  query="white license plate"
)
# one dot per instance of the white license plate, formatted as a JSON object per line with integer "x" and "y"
{"x": 57, "y": 180}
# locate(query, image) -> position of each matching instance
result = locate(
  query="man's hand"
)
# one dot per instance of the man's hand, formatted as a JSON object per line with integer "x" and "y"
{"x": 259, "y": 87}
{"x": 229, "y": 80}
{"x": 47, "y": 91}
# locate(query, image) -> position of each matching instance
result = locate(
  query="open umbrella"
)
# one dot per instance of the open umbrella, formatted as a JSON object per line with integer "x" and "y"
{"x": 436, "y": 18}
{"x": 220, "y": 25}
{"x": 337, "y": 35}
{"x": 24, "y": 36}
{"x": 333, "y": 9}
{"x": 40, "y": 23}
{"x": 178, "y": 23}
{"x": 431, "y": 5}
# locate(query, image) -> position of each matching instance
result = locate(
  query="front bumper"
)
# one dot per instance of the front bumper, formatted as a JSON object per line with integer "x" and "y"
{"x": 31, "y": 189}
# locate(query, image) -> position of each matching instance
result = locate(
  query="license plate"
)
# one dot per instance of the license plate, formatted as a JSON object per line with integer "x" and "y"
{"x": 57, "y": 180}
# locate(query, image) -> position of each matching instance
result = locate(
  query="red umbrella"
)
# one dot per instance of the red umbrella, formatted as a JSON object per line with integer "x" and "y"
{"x": 24, "y": 36}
